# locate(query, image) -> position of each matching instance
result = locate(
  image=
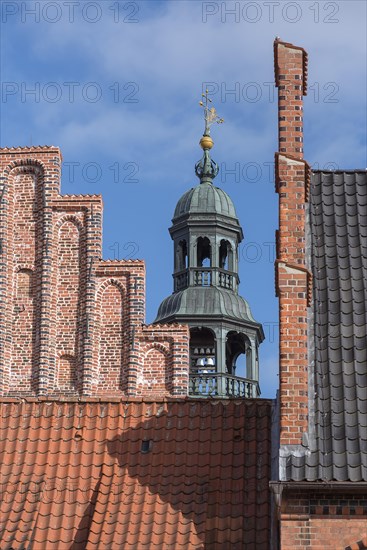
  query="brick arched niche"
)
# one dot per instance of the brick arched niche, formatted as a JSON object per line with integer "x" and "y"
{"x": 69, "y": 291}
{"x": 26, "y": 189}
{"x": 24, "y": 329}
{"x": 21, "y": 265}
{"x": 155, "y": 374}
{"x": 111, "y": 327}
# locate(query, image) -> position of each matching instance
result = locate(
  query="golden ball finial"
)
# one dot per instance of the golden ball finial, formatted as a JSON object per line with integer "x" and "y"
{"x": 206, "y": 142}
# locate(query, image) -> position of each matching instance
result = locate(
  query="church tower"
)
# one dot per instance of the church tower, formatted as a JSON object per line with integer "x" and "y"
{"x": 224, "y": 336}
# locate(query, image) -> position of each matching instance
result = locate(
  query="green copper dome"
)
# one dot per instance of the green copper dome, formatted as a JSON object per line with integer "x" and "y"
{"x": 210, "y": 302}
{"x": 205, "y": 199}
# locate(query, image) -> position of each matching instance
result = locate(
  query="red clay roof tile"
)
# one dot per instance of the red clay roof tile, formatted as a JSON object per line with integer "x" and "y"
{"x": 75, "y": 477}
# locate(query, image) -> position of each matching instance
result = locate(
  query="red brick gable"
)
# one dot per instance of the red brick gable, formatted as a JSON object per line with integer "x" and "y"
{"x": 72, "y": 322}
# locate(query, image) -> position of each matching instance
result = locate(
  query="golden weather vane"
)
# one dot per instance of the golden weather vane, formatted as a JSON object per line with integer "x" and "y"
{"x": 210, "y": 114}
{"x": 206, "y": 169}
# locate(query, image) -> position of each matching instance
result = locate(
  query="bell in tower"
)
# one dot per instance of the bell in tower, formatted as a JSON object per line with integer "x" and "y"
{"x": 224, "y": 337}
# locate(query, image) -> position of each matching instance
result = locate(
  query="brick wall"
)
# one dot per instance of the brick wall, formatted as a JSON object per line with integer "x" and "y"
{"x": 329, "y": 521}
{"x": 72, "y": 323}
{"x": 293, "y": 280}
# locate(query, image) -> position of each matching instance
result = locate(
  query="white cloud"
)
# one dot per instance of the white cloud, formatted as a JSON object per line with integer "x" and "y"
{"x": 170, "y": 52}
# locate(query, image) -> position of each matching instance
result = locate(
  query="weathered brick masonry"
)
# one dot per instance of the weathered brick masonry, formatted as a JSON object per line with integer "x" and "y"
{"x": 324, "y": 520}
{"x": 72, "y": 323}
{"x": 293, "y": 280}
{"x": 325, "y": 513}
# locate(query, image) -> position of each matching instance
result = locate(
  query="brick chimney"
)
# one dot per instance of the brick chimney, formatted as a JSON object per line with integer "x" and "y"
{"x": 293, "y": 280}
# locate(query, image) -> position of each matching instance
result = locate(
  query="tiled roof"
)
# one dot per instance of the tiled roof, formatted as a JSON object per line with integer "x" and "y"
{"x": 75, "y": 475}
{"x": 337, "y": 247}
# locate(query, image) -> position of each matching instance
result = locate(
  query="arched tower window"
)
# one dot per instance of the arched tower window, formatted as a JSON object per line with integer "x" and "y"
{"x": 202, "y": 351}
{"x": 238, "y": 354}
{"x": 204, "y": 253}
{"x": 181, "y": 256}
{"x": 225, "y": 255}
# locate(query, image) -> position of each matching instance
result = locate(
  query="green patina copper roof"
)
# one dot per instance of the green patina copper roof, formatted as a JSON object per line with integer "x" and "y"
{"x": 199, "y": 301}
{"x": 207, "y": 199}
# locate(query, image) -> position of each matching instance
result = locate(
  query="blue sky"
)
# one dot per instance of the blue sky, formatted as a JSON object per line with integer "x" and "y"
{"x": 116, "y": 86}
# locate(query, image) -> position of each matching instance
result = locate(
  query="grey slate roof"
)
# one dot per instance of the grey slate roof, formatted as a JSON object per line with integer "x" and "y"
{"x": 337, "y": 253}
